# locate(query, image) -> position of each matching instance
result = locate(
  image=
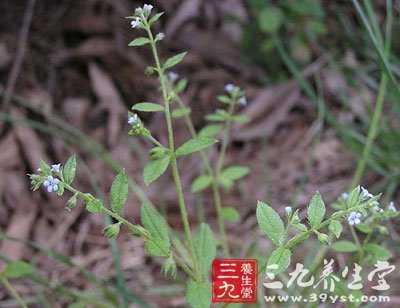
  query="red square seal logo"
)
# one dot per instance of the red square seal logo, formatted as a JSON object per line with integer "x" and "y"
{"x": 234, "y": 280}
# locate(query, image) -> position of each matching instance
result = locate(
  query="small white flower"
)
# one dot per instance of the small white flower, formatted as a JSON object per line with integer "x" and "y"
{"x": 229, "y": 87}
{"x": 288, "y": 210}
{"x": 173, "y": 76}
{"x": 51, "y": 184}
{"x": 344, "y": 196}
{"x": 135, "y": 23}
{"x": 365, "y": 193}
{"x": 133, "y": 119}
{"x": 55, "y": 168}
{"x": 354, "y": 218}
{"x": 377, "y": 209}
{"x": 147, "y": 8}
{"x": 243, "y": 101}
{"x": 392, "y": 207}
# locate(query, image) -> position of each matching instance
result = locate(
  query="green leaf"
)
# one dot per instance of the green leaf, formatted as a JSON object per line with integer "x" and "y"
{"x": 353, "y": 198}
{"x": 140, "y": 41}
{"x": 364, "y": 228}
{"x": 180, "y": 113}
{"x": 201, "y": 183}
{"x": 194, "y": 145}
{"x": 378, "y": 252}
{"x": 69, "y": 170}
{"x": 278, "y": 261}
{"x": 198, "y": 294}
{"x": 270, "y": 19}
{"x": 17, "y": 269}
{"x": 173, "y": 60}
{"x": 344, "y": 246}
{"x": 94, "y": 206}
{"x": 147, "y": 107}
{"x": 336, "y": 228}
{"x": 154, "y": 169}
{"x": 153, "y": 222}
{"x": 224, "y": 99}
{"x": 234, "y": 173}
{"x": 60, "y": 189}
{"x": 112, "y": 231}
{"x": 44, "y": 168}
{"x": 241, "y": 118}
{"x": 210, "y": 130}
{"x": 218, "y": 116}
{"x": 71, "y": 203}
{"x": 205, "y": 248}
{"x": 316, "y": 210}
{"x": 230, "y": 213}
{"x": 181, "y": 86}
{"x": 270, "y": 223}
{"x": 301, "y": 227}
{"x": 119, "y": 192}
{"x": 155, "y": 18}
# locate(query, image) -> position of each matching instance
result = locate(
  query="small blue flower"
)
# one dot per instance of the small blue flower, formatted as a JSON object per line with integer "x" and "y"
{"x": 344, "y": 196}
{"x": 147, "y": 8}
{"x": 392, "y": 207}
{"x": 173, "y": 76}
{"x": 55, "y": 168}
{"x": 135, "y": 23}
{"x": 243, "y": 101}
{"x": 229, "y": 87}
{"x": 51, "y": 184}
{"x": 133, "y": 119}
{"x": 288, "y": 210}
{"x": 354, "y": 218}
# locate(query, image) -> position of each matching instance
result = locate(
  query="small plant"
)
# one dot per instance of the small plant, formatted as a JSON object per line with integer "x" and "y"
{"x": 202, "y": 245}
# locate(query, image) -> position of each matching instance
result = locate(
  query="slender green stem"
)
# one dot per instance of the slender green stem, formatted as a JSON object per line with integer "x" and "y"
{"x": 218, "y": 168}
{"x": 155, "y": 141}
{"x": 174, "y": 165}
{"x": 215, "y": 183}
{"x": 372, "y": 132}
{"x": 13, "y": 292}
{"x": 134, "y": 228}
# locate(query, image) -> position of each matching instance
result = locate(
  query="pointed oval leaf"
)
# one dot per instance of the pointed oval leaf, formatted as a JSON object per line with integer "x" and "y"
{"x": 180, "y": 113}
{"x": 234, "y": 173}
{"x": 270, "y": 223}
{"x": 210, "y": 130}
{"x": 230, "y": 213}
{"x": 174, "y": 60}
{"x": 344, "y": 246}
{"x": 17, "y": 269}
{"x": 119, "y": 192}
{"x": 94, "y": 206}
{"x": 336, "y": 228}
{"x": 201, "y": 183}
{"x": 194, "y": 145}
{"x": 148, "y": 107}
{"x": 278, "y": 261}
{"x": 140, "y": 41}
{"x": 154, "y": 169}
{"x": 154, "y": 223}
{"x": 316, "y": 210}
{"x": 205, "y": 248}
{"x": 69, "y": 170}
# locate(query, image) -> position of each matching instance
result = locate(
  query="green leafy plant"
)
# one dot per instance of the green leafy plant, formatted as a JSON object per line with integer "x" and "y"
{"x": 202, "y": 245}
